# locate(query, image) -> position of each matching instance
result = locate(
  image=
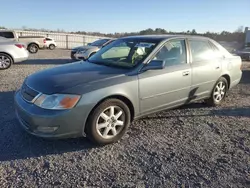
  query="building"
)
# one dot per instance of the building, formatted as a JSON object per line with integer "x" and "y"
{"x": 247, "y": 36}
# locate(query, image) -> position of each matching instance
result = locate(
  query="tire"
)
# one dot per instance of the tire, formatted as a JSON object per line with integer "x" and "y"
{"x": 111, "y": 128}
{"x": 52, "y": 46}
{"x": 33, "y": 48}
{"x": 5, "y": 61}
{"x": 218, "y": 93}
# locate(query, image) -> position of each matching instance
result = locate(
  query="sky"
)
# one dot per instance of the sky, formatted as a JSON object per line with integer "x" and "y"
{"x": 109, "y": 16}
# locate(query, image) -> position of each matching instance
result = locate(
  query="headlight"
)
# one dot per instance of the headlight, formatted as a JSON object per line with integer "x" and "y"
{"x": 81, "y": 51}
{"x": 57, "y": 101}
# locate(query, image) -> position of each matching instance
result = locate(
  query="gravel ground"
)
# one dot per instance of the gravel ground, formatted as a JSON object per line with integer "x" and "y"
{"x": 192, "y": 146}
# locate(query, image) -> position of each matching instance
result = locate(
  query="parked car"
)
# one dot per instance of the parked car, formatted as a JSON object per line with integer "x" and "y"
{"x": 244, "y": 53}
{"x": 33, "y": 43}
{"x": 50, "y": 43}
{"x": 130, "y": 78}
{"x": 11, "y": 52}
{"x": 84, "y": 52}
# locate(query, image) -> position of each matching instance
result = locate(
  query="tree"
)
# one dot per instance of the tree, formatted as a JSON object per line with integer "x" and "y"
{"x": 240, "y": 29}
{"x": 193, "y": 32}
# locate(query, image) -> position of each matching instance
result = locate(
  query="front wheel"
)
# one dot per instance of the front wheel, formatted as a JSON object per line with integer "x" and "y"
{"x": 219, "y": 92}
{"x": 108, "y": 122}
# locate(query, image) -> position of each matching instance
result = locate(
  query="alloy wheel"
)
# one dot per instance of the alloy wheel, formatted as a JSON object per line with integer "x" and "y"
{"x": 4, "y": 62}
{"x": 33, "y": 48}
{"x": 110, "y": 122}
{"x": 219, "y": 91}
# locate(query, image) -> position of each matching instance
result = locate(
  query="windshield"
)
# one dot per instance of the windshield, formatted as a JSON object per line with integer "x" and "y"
{"x": 124, "y": 53}
{"x": 99, "y": 42}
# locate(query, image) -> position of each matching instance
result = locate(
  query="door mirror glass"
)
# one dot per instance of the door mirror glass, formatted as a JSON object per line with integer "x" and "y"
{"x": 154, "y": 65}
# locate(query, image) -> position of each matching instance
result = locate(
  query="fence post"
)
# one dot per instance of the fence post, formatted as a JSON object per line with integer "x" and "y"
{"x": 67, "y": 42}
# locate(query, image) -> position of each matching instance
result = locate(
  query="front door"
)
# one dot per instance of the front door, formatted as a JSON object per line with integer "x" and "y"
{"x": 168, "y": 87}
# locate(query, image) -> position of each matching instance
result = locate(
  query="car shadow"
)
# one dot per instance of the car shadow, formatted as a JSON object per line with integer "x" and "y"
{"x": 17, "y": 144}
{"x": 245, "y": 77}
{"x": 226, "y": 112}
{"x": 46, "y": 62}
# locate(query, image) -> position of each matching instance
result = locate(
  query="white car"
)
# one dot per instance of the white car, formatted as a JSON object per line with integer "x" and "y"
{"x": 11, "y": 52}
{"x": 50, "y": 43}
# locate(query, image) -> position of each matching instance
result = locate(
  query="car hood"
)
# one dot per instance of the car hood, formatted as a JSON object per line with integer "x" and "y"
{"x": 58, "y": 79}
{"x": 85, "y": 48}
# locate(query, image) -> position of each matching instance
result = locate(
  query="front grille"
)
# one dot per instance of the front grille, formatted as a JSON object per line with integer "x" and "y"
{"x": 27, "y": 93}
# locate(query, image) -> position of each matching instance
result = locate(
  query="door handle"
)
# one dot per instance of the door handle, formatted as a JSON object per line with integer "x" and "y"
{"x": 217, "y": 67}
{"x": 186, "y": 73}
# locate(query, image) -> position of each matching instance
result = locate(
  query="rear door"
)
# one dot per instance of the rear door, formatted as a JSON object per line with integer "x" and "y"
{"x": 206, "y": 67}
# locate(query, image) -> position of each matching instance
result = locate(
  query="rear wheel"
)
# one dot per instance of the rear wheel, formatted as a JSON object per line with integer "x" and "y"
{"x": 108, "y": 122}
{"x": 5, "y": 61}
{"x": 219, "y": 92}
{"x": 52, "y": 46}
{"x": 33, "y": 48}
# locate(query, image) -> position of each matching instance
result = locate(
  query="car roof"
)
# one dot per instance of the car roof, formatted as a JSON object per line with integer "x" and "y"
{"x": 164, "y": 37}
{"x": 5, "y": 30}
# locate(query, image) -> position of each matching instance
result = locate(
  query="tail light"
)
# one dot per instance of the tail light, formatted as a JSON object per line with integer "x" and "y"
{"x": 19, "y": 45}
{"x": 44, "y": 40}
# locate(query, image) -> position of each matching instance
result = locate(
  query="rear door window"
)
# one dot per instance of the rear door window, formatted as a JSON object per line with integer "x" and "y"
{"x": 217, "y": 52}
{"x": 201, "y": 50}
{"x": 8, "y": 35}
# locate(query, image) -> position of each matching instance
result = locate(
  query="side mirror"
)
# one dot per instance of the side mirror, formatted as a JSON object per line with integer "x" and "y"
{"x": 154, "y": 65}
{"x": 88, "y": 44}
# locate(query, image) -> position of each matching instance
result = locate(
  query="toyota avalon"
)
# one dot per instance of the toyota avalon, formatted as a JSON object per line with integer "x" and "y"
{"x": 125, "y": 80}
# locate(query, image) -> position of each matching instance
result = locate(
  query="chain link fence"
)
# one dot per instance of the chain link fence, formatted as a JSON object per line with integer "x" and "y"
{"x": 63, "y": 40}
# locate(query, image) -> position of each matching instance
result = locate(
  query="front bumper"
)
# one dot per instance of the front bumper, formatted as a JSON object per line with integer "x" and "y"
{"x": 68, "y": 123}
{"x": 83, "y": 56}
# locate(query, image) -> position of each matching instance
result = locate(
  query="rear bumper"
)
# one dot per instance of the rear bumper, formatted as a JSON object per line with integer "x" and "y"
{"x": 236, "y": 81}
{"x": 21, "y": 57}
